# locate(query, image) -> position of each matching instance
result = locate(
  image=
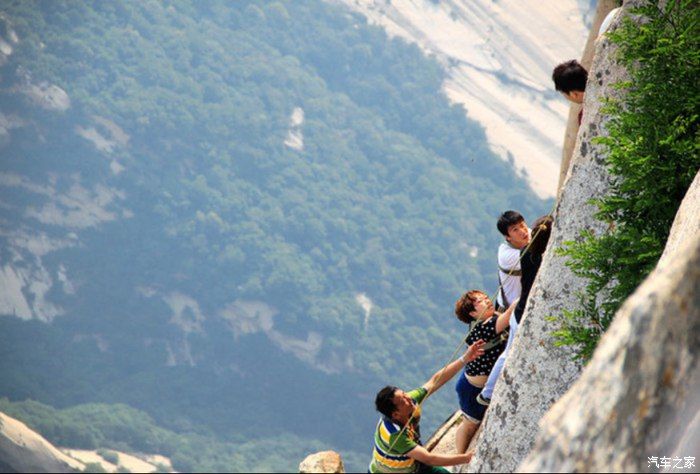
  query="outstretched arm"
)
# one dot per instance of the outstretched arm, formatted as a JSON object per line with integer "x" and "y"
{"x": 441, "y": 377}
{"x": 503, "y": 320}
{"x": 420, "y": 454}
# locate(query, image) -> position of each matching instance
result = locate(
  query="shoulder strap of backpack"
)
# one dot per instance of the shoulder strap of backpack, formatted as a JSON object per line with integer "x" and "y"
{"x": 506, "y": 304}
{"x": 499, "y": 339}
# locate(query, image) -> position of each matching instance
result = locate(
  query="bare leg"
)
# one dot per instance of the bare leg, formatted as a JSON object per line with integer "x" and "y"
{"x": 464, "y": 435}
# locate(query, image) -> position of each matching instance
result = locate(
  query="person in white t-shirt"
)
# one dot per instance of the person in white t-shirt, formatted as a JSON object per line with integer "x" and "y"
{"x": 517, "y": 235}
{"x": 536, "y": 248}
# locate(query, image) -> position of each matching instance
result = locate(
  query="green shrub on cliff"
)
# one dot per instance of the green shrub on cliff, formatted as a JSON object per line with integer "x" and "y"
{"x": 109, "y": 456}
{"x": 94, "y": 467}
{"x": 653, "y": 158}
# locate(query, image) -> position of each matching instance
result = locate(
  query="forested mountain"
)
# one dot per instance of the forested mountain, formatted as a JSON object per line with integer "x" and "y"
{"x": 240, "y": 218}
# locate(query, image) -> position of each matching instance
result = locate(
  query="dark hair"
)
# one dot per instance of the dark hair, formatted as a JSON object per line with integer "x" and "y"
{"x": 570, "y": 76}
{"x": 385, "y": 400}
{"x": 541, "y": 230}
{"x": 507, "y": 219}
{"x": 465, "y": 305}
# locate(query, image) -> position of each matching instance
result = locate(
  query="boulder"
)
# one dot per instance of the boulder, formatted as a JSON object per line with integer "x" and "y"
{"x": 325, "y": 461}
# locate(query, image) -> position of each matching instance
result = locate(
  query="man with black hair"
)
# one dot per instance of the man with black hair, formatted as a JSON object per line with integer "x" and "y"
{"x": 517, "y": 235}
{"x": 570, "y": 79}
{"x": 397, "y": 446}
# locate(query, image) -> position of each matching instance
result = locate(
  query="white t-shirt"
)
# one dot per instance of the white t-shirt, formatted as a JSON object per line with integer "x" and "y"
{"x": 509, "y": 258}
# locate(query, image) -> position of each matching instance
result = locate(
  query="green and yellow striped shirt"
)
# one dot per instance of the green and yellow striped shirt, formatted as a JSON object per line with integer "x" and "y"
{"x": 389, "y": 435}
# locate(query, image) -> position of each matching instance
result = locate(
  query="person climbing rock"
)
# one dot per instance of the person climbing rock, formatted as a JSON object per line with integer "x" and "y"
{"x": 530, "y": 261}
{"x": 517, "y": 235}
{"x": 397, "y": 447}
{"x": 570, "y": 79}
{"x": 511, "y": 224}
{"x": 476, "y": 309}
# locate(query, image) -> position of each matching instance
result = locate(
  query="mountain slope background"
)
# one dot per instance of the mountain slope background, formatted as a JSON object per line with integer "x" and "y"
{"x": 498, "y": 57}
{"x": 238, "y": 219}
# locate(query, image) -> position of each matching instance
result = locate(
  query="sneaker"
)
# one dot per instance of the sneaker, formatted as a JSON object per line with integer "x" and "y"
{"x": 482, "y": 400}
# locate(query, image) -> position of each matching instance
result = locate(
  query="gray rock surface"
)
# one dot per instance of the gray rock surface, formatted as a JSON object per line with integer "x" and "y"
{"x": 638, "y": 397}
{"x": 537, "y": 372}
{"x": 48, "y": 96}
{"x": 686, "y": 224}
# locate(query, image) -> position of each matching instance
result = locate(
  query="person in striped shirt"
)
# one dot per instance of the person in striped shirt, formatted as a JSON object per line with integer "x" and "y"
{"x": 397, "y": 447}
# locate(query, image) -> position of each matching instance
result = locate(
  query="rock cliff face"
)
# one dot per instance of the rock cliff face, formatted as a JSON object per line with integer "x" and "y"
{"x": 638, "y": 396}
{"x": 23, "y": 450}
{"x": 537, "y": 372}
{"x": 687, "y": 221}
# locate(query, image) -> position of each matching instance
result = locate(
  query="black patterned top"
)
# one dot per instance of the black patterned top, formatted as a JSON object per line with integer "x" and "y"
{"x": 487, "y": 332}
